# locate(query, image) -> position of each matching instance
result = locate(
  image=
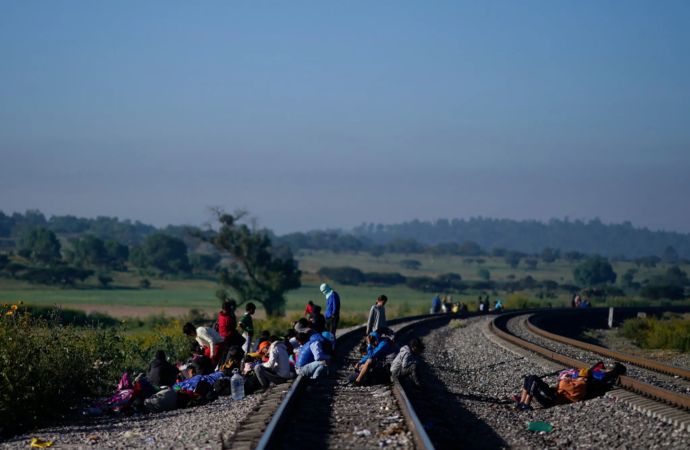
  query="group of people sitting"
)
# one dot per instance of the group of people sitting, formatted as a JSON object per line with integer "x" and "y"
{"x": 446, "y": 305}
{"x": 226, "y": 349}
{"x": 485, "y": 305}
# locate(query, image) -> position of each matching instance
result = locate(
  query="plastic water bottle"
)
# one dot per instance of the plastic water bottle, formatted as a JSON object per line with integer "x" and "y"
{"x": 237, "y": 385}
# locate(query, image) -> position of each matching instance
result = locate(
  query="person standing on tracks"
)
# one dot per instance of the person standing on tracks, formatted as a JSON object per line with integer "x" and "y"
{"x": 436, "y": 304}
{"x": 377, "y": 316}
{"x": 247, "y": 326}
{"x": 332, "y": 308}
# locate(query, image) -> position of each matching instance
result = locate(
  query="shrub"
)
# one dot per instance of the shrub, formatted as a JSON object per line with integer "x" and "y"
{"x": 410, "y": 264}
{"x": 343, "y": 275}
{"x": 385, "y": 278}
{"x": 484, "y": 274}
{"x": 168, "y": 337}
{"x": 144, "y": 283}
{"x": 519, "y": 300}
{"x": 104, "y": 280}
{"x": 47, "y": 367}
{"x": 653, "y": 333}
{"x": 458, "y": 323}
{"x": 657, "y": 292}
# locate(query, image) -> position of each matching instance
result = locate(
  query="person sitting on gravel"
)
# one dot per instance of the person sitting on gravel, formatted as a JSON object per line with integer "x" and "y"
{"x": 573, "y": 386}
{"x": 311, "y": 360}
{"x": 277, "y": 369}
{"x": 203, "y": 362}
{"x": 303, "y": 326}
{"x": 375, "y": 363}
{"x": 405, "y": 363}
{"x": 208, "y": 338}
{"x": 262, "y": 338}
{"x": 161, "y": 372}
{"x": 317, "y": 320}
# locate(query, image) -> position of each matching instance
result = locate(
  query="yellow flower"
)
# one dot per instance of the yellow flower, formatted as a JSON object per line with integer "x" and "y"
{"x": 14, "y": 307}
{"x": 5, "y": 305}
{"x": 21, "y": 302}
{"x": 123, "y": 321}
{"x": 9, "y": 313}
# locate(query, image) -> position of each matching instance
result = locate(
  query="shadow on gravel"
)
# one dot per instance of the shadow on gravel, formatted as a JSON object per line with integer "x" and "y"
{"x": 448, "y": 423}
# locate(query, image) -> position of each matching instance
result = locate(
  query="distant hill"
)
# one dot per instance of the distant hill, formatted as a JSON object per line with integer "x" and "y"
{"x": 532, "y": 236}
{"x": 529, "y": 236}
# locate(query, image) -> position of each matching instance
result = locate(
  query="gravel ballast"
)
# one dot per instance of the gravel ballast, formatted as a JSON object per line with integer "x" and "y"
{"x": 188, "y": 428}
{"x": 469, "y": 380}
{"x": 516, "y": 326}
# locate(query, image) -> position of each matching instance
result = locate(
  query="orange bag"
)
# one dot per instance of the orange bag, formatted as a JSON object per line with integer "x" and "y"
{"x": 571, "y": 391}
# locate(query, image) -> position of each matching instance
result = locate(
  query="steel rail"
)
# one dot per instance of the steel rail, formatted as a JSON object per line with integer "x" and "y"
{"x": 656, "y": 393}
{"x": 269, "y": 439}
{"x": 655, "y": 366}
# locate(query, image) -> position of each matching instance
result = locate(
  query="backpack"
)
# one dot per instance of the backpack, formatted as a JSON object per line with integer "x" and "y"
{"x": 572, "y": 390}
{"x": 223, "y": 387}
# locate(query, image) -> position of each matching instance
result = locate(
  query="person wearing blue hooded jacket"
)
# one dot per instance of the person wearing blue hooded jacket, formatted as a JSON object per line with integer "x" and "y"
{"x": 311, "y": 360}
{"x": 380, "y": 352}
{"x": 332, "y": 308}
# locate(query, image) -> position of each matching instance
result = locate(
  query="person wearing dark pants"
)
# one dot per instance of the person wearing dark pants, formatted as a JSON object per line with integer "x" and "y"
{"x": 405, "y": 363}
{"x": 332, "y": 308}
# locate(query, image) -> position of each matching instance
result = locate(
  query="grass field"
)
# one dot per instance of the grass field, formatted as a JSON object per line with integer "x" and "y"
{"x": 176, "y": 298}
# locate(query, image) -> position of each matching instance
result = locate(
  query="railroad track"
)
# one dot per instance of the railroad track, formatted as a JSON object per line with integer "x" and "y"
{"x": 336, "y": 415}
{"x": 655, "y": 401}
{"x": 533, "y": 321}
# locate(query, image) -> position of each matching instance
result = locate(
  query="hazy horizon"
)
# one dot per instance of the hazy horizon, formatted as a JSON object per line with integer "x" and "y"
{"x": 317, "y": 116}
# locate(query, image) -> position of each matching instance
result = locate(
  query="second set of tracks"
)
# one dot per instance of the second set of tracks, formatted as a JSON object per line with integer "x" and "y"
{"x": 668, "y": 404}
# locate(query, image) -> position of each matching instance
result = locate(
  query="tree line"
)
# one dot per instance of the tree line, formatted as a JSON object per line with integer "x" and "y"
{"x": 450, "y": 237}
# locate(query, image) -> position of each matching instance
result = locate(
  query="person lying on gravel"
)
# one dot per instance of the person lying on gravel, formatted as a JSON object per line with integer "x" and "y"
{"x": 161, "y": 372}
{"x": 312, "y": 359}
{"x": 277, "y": 369}
{"x": 573, "y": 386}
{"x": 405, "y": 363}
{"x": 375, "y": 363}
{"x": 208, "y": 338}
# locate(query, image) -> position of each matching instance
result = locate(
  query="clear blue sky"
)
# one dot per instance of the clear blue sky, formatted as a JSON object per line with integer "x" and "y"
{"x": 329, "y": 114}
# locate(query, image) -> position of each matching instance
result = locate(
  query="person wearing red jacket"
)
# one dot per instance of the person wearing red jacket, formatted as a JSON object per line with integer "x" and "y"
{"x": 227, "y": 322}
{"x": 309, "y": 309}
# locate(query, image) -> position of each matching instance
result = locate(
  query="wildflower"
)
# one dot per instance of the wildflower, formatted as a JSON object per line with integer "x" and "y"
{"x": 123, "y": 321}
{"x": 21, "y": 302}
{"x": 14, "y": 307}
{"x": 9, "y": 313}
{"x": 5, "y": 305}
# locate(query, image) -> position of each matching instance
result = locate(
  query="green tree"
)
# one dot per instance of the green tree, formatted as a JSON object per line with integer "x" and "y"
{"x": 43, "y": 245}
{"x": 202, "y": 262}
{"x": 89, "y": 251}
{"x": 513, "y": 259}
{"x": 628, "y": 277}
{"x": 670, "y": 256}
{"x": 166, "y": 253}
{"x": 470, "y": 248}
{"x": 531, "y": 264}
{"x": 13, "y": 268}
{"x": 594, "y": 271}
{"x": 343, "y": 275}
{"x": 673, "y": 276}
{"x": 104, "y": 280}
{"x": 377, "y": 250}
{"x": 573, "y": 256}
{"x": 260, "y": 276}
{"x": 484, "y": 274}
{"x": 117, "y": 254}
{"x": 549, "y": 255}
{"x": 137, "y": 257}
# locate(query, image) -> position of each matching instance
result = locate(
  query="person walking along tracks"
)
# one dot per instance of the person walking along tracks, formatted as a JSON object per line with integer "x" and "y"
{"x": 332, "y": 308}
